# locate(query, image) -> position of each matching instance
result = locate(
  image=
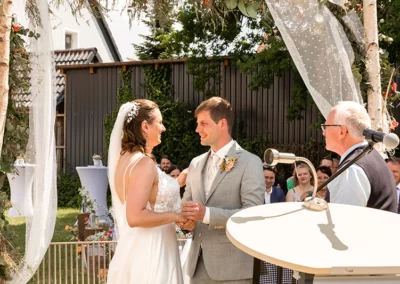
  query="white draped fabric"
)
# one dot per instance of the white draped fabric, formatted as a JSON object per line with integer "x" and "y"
{"x": 320, "y": 49}
{"x": 41, "y": 149}
{"x": 113, "y": 158}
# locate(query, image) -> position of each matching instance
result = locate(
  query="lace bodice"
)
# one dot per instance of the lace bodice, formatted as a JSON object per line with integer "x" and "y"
{"x": 168, "y": 198}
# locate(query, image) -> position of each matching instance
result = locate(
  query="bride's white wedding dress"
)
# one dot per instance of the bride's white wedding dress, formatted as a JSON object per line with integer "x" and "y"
{"x": 148, "y": 255}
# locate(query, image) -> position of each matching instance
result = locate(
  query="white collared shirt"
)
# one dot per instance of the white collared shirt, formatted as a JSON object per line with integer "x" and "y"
{"x": 221, "y": 153}
{"x": 398, "y": 192}
{"x": 352, "y": 186}
{"x": 268, "y": 196}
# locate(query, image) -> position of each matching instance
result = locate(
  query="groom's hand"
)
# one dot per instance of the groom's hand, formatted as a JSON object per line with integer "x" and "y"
{"x": 194, "y": 210}
{"x": 189, "y": 225}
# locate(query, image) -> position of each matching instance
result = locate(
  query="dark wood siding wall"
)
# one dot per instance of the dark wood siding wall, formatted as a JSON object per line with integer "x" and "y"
{"x": 90, "y": 97}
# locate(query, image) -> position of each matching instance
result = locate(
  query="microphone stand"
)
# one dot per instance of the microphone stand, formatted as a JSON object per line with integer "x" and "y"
{"x": 365, "y": 151}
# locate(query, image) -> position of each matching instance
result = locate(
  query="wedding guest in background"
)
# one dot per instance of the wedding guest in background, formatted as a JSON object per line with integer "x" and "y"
{"x": 273, "y": 194}
{"x": 335, "y": 165}
{"x": 291, "y": 181}
{"x": 165, "y": 163}
{"x": 323, "y": 173}
{"x": 305, "y": 183}
{"x": 326, "y": 162}
{"x": 174, "y": 171}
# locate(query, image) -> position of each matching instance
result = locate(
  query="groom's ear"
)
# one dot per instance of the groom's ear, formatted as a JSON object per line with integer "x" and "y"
{"x": 224, "y": 123}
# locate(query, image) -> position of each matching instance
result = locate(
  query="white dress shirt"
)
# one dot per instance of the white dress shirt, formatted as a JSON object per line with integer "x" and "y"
{"x": 352, "y": 186}
{"x": 208, "y": 180}
{"x": 268, "y": 196}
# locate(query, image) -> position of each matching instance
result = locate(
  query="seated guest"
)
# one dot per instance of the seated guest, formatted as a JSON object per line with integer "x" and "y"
{"x": 291, "y": 181}
{"x": 335, "y": 165}
{"x": 174, "y": 171}
{"x": 272, "y": 193}
{"x": 305, "y": 182}
{"x": 326, "y": 162}
{"x": 323, "y": 173}
{"x": 165, "y": 163}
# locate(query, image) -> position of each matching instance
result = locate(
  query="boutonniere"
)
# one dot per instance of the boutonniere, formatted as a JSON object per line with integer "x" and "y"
{"x": 228, "y": 163}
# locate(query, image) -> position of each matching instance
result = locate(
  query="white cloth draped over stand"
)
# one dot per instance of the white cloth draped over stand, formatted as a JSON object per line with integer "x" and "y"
{"x": 41, "y": 148}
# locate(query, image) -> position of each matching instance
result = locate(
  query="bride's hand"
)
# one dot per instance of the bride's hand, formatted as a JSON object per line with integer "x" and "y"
{"x": 182, "y": 177}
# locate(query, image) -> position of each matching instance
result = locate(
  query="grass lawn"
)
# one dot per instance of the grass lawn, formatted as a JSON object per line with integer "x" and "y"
{"x": 65, "y": 216}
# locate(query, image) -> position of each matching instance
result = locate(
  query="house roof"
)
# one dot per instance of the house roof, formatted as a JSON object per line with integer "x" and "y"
{"x": 80, "y": 56}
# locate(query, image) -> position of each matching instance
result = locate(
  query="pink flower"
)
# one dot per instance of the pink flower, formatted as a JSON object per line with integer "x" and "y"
{"x": 229, "y": 166}
{"x": 394, "y": 87}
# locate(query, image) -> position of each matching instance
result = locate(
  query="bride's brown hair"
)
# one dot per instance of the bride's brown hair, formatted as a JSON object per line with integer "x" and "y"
{"x": 133, "y": 139}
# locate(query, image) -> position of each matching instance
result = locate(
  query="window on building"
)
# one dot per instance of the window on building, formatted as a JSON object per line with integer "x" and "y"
{"x": 71, "y": 40}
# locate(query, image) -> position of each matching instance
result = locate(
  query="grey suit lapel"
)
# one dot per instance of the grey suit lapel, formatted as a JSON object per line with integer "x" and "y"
{"x": 234, "y": 151}
{"x": 199, "y": 176}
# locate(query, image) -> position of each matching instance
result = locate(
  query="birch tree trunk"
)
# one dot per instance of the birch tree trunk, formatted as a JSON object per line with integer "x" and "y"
{"x": 375, "y": 107}
{"x": 5, "y": 28}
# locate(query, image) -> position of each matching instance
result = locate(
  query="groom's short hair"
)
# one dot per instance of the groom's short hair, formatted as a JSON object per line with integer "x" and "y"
{"x": 219, "y": 108}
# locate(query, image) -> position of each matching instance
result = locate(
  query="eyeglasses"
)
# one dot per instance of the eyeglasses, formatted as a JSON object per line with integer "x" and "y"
{"x": 324, "y": 126}
{"x": 267, "y": 167}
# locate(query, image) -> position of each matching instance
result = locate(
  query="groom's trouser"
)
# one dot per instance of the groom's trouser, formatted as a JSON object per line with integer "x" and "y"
{"x": 201, "y": 276}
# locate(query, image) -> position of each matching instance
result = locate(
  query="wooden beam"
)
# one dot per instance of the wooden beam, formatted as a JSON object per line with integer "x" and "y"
{"x": 91, "y": 70}
{"x": 226, "y": 62}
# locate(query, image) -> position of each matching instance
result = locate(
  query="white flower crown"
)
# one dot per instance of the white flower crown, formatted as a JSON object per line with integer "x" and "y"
{"x": 133, "y": 112}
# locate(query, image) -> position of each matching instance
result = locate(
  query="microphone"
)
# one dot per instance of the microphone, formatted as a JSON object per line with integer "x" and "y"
{"x": 391, "y": 140}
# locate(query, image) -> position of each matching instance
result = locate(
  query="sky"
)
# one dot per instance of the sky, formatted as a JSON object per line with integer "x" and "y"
{"x": 123, "y": 35}
{"x": 118, "y": 22}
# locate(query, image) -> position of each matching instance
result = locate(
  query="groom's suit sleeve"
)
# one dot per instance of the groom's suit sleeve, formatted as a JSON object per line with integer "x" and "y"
{"x": 252, "y": 186}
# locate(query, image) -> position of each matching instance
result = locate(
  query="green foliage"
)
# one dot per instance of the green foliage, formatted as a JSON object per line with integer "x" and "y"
{"x": 68, "y": 191}
{"x": 124, "y": 95}
{"x": 153, "y": 46}
{"x": 179, "y": 142}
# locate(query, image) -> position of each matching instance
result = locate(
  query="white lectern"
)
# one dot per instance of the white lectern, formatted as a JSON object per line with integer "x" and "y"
{"x": 95, "y": 181}
{"x": 21, "y": 190}
{"x": 343, "y": 244}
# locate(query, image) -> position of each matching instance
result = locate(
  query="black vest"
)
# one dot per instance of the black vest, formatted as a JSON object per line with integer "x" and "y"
{"x": 383, "y": 190}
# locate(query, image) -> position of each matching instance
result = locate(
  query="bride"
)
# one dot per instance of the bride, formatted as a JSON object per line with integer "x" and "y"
{"x": 145, "y": 200}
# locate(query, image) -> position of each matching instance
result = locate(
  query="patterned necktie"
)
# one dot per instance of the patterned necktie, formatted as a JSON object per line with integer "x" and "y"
{"x": 212, "y": 169}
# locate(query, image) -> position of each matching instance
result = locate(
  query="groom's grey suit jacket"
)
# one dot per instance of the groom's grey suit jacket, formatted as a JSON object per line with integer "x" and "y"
{"x": 230, "y": 192}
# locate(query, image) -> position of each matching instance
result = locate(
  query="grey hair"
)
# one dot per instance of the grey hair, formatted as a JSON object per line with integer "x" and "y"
{"x": 354, "y": 116}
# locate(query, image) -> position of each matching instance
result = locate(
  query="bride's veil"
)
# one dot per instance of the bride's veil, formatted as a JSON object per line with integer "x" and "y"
{"x": 113, "y": 157}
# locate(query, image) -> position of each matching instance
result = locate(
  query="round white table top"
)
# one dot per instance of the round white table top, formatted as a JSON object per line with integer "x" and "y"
{"x": 343, "y": 240}
{"x": 92, "y": 167}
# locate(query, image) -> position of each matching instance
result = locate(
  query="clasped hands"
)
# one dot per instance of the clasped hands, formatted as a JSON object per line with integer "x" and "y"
{"x": 191, "y": 212}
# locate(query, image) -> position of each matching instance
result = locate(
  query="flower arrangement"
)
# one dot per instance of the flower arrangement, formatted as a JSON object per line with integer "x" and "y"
{"x": 228, "y": 163}
{"x": 97, "y": 157}
{"x": 101, "y": 236}
{"x": 97, "y": 160}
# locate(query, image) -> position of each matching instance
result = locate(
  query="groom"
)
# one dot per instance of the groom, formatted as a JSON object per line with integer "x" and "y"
{"x": 220, "y": 183}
